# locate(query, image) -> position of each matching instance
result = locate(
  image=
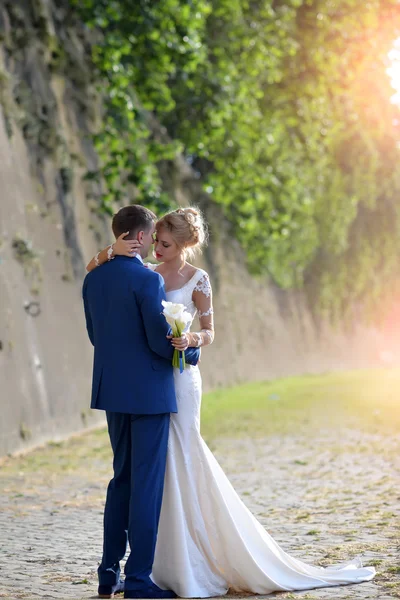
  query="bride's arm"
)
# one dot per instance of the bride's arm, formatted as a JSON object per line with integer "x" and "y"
{"x": 120, "y": 247}
{"x": 202, "y": 298}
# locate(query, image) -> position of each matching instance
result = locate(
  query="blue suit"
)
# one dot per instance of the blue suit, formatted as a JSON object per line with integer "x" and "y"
{"x": 133, "y": 382}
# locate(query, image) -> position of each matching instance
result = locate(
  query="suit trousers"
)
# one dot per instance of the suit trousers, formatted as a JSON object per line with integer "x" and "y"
{"x": 134, "y": 496}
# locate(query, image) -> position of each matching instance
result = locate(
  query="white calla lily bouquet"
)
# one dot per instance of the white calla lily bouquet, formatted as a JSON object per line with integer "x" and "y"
{"x": 178, "y": 318}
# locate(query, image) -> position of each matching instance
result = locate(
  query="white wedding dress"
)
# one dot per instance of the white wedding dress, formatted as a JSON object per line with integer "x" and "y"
{"x": 208, "y": 541}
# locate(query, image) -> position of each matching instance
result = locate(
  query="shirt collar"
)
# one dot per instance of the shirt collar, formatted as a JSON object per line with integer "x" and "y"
{"x": 137, "y": 255}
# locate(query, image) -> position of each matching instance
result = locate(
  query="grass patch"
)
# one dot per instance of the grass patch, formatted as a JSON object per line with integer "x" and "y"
{"x": 364, "y": 399}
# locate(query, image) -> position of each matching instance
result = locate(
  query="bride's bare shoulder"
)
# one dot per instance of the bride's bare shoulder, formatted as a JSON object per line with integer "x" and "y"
{"x": 195, "y": 271}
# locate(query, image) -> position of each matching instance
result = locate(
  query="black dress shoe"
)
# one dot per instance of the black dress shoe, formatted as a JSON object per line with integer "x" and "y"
{"x": 108, "y": 591}
{"x": 151, "y": 591}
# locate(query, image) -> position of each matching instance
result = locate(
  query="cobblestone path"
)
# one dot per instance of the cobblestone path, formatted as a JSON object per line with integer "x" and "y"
{"x": 324, "y": 496}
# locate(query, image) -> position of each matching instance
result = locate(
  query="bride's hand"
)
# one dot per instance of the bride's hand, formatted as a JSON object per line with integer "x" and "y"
{"x": 126, "y": 247}
{"x": 181, "y": 343}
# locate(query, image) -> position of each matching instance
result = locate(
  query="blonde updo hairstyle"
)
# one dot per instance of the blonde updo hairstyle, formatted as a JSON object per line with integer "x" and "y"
{"x": 187, "y": 227}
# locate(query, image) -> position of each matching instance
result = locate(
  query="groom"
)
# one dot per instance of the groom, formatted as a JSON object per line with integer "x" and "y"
{"x": 133, "y": 382}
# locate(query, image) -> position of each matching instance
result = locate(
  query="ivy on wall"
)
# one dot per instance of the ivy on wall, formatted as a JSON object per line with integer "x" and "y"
{"x": 283, "y": 109}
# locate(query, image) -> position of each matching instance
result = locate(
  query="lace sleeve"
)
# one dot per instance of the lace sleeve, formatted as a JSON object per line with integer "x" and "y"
{"x": 202, "y": 298}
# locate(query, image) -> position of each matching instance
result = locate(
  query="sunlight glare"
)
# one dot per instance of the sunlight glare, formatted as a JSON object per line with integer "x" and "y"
{"x": 394, "y": 71}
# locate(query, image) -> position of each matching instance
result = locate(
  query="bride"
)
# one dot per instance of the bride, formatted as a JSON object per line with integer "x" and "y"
{"x": 208, "y": 541}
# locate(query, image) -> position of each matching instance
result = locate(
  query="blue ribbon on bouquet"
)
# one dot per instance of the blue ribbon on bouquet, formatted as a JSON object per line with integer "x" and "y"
{"x": 180, "y": 362}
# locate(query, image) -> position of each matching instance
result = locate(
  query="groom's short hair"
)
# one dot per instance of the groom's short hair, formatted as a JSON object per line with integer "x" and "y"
{"x": 132, "y": 218}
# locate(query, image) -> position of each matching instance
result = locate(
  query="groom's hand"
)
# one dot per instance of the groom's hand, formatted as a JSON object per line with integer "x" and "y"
{"x": 180, "y": 343}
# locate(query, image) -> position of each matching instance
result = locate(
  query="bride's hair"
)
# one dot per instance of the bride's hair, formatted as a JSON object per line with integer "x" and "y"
{"x": 187, "y": 227}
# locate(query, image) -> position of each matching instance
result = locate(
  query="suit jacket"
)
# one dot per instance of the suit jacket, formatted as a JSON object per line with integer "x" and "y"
{"x": 132, "y": 371}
